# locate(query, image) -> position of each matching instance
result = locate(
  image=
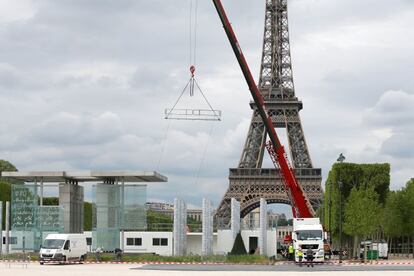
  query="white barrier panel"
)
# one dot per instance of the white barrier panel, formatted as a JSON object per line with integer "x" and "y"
{"x": 207, "y": 237}
{"x": 263, "y": 227}
{"x": 235, "y": 217}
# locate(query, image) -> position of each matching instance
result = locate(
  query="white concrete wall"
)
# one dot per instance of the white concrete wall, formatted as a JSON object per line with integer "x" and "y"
{"x": 225, "y": 242}
{"x": 222, "y": 242}
{"x": 271, "y": 247}
{"x": 194, "y": 244}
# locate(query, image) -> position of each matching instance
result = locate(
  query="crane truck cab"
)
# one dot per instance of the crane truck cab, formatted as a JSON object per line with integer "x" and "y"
{"x": 308, "y": 234}
{"x": 63, "y": 247}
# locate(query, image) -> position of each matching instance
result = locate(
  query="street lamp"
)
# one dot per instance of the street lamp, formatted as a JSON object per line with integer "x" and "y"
{"x": 330, "y": 214}
{"x": 340, "y": 159}
{"x": 340, "y": 185}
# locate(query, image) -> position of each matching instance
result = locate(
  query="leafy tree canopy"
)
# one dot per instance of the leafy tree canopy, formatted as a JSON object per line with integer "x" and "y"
{"x": 362, "y": 212}
{"x": 375, "y": 177}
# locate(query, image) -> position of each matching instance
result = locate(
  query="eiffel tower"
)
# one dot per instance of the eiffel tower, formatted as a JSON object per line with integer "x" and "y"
{"x": 250, "y": 182}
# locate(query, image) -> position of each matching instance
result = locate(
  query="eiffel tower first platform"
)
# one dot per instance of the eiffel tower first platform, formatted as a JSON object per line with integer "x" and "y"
{"x": 250, "y": 182}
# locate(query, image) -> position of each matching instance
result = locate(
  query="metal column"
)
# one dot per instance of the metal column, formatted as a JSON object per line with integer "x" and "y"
{"x": 1, "y": 227}
{"x": 41, "y": 191}
{"x": 7, "y": 226}
{"x": 122, "y": 215}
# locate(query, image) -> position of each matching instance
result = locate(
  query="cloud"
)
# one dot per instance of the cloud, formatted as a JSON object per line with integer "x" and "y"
{"x": 399, "y": 145}
{"x": 84, "y": 85}
{"x": 393, "y": 110}
{"x": 74, "y": 129}
{"x": 16, "y": 10}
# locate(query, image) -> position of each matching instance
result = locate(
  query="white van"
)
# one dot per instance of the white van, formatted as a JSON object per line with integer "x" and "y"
{"x": 63, "y": 247}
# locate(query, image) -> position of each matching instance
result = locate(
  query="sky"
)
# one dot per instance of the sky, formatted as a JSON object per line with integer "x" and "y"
{"x": 84, "y": 85}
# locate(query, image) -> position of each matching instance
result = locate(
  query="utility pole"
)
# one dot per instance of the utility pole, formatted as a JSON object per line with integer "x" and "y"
{"x": 340, "y": 159}
{"x": 330, "y": 215}
{"x": 340, "y": 184}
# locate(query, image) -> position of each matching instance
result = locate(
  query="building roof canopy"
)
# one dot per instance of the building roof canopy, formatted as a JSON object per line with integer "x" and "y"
{"x": 93, "y": 176}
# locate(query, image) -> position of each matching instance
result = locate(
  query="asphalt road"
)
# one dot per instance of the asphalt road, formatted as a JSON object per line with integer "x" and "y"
{"x": 34, "y": 269}
{"x": 285, "y": 268}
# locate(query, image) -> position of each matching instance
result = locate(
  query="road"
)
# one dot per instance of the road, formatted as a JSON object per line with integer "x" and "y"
{"x": 34, "y": 269}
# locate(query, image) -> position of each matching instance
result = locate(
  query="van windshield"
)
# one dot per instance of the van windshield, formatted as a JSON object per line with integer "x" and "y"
{"x": 309, "y": 235}
{"x": 53, "y": 244}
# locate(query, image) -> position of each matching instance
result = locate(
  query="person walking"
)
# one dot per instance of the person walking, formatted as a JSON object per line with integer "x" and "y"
{"x": 98, "y": 252}
{"x": 291, "y": 252}
{"x": 309, "y": 257}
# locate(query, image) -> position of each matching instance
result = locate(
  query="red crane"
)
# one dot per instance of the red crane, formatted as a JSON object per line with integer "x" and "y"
{"x": 300, "y": 205}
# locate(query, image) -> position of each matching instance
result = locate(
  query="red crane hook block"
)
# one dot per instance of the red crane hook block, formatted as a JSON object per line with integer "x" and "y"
{"x": 192, "y": 70}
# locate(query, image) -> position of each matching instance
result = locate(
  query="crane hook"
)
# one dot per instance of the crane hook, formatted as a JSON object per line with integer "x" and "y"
{"x": 192, "y": 70}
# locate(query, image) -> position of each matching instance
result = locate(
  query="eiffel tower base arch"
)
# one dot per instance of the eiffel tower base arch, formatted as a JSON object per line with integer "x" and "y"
{"x": 248, "y": 185}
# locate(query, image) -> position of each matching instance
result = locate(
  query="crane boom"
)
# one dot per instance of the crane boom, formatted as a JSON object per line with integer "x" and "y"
{"x": 300, "y": 205}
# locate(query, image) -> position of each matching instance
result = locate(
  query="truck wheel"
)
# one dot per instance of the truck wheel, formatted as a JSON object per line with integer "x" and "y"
{"x": 41, "y": 263}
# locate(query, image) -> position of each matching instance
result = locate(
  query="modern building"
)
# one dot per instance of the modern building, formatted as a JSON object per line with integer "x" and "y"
{"x": 119, "y": 199}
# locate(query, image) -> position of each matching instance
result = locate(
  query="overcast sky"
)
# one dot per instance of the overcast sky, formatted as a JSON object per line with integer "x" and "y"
{"x": 84, "y": 85}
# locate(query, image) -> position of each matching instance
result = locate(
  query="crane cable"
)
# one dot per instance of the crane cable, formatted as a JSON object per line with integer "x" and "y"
{"x": 192, "y": 83}
{"x": 193, "y": 23}
{"x": 193, "y": 44}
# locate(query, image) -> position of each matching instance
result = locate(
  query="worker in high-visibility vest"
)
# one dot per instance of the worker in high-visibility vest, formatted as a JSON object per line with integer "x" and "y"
{"x": 291, "y": 251}
{"x": 300, "y": 256}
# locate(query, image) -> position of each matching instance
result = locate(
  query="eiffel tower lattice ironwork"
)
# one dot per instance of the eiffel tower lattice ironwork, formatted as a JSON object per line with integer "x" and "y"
{"x": 250, "y": 182}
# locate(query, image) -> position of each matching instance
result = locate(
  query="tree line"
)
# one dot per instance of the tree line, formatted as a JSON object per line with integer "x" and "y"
{"x": 370, "y": 211}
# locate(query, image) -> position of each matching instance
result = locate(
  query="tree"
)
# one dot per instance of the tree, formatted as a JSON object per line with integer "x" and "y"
{"x": 408, "y": 211}
{"x": 361, "y": 176}
{"x": 87, "y": 216}
{"x": 6, "y": 166}
{"x": 362, "y": 215}
{"x": 393, "y": 219}
{"x": 157, "y": 221}
{"x": 50, "y": 201}
{"x": 5, "y": 194}
{"x": 238, "y": 247}
{"x": 5, "y": 188}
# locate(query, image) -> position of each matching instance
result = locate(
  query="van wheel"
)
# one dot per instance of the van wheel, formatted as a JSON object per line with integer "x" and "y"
{"x": 41, "y": 263}
{"x": 63, "y": 261}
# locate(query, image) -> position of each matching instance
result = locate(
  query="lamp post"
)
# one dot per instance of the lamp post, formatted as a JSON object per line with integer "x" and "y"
{"x": 340, "y": 185}
{"x": 340, "y": 159}
{"x": 330, "y": 214}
